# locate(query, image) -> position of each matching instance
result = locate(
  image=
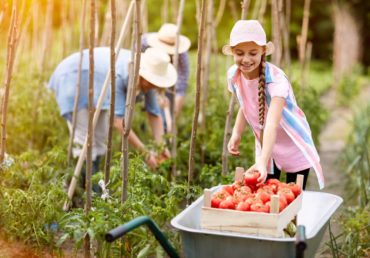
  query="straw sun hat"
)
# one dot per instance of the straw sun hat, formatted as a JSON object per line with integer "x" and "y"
{"x": 247, "y": 31}
{"x": 155, "y": 67}
{"x": 165, "y": 39}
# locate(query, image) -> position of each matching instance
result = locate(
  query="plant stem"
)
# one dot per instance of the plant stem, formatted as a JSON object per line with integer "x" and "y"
{"x": 113, "y": 92}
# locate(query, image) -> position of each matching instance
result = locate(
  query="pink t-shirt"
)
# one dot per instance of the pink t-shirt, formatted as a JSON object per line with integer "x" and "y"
{"x": 285, "y": 152}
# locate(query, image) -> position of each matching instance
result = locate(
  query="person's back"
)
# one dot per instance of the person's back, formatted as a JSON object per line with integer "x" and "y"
{"x": 65, "y": 77}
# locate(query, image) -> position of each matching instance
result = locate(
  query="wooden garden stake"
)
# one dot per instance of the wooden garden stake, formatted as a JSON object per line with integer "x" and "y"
{"x": 229, "y": 114}
{"x": 12, "y": 45}
{"x": 90, "y": 129}
{"x": 164, "y": 11}
{"x": 302, "y": 39}
{"x": 108, "y": 156}
{"x": 205, "y": 75}
{"x": 174, "y": 5}
{"x": 131, "y": 95}
{"x": 262, "y": 10}
{"x": 285, "y": 36}
{"x": 245, "y": 6}
{"x": 197, "y": 94}
{"x": 276, "y": 39}
{"x": 220, "y": 12}
{"x": 174, "y": 115}
{"x": 227, "y": 133}
{"x": 78, "y": 86}
{"x": 99, "y": 104}
{"x": 46, "y": 36}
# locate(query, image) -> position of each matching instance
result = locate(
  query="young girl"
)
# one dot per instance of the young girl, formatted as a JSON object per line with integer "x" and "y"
{"x": 267, "y": 104}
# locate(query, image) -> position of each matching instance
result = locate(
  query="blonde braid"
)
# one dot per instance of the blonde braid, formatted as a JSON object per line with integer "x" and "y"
{"x": 261, "y": 96}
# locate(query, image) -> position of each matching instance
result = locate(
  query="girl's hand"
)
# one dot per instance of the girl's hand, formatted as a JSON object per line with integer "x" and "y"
{"x": 233, "y": 145}
{"x": 258, "y": 166}
{"x": 165, "y": 155}
{"x": 151, "y": 160}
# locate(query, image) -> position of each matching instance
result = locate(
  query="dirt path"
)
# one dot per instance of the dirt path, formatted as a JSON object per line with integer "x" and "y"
{"x": 332, "y": 142}
{"x": 10, "y": 249}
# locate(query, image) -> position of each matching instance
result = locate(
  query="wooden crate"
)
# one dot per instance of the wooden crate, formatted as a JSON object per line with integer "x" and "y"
{"x": 255, "y": 223}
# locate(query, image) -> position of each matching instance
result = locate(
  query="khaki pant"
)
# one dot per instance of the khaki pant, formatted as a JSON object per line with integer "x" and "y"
{"x": 100, "y": 133}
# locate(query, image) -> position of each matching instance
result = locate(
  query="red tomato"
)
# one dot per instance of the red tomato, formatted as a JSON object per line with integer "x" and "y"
{"x": 273, "y": 183}
{"x": 259, "y": 207}
{"x": 270, "y": 188}
{"x": 227, "y": 204}
{"x": 289, "y": 195}
{"x": 250, "y": 178}
{"x": 242, "y": 193}
{"x": 243, "y": 206}
{"x": 253, "y": 199}
{"x": 237, "y": 185}
{"x": 218, "y": 197}
{"x": 296, "y": 189}
{"x": 264, "y": 195}
{"x": 229, "y": 189}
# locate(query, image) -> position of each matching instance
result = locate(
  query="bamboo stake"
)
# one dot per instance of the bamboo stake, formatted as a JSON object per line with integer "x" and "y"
{"x": 176, "y": 64}
{"x": 12, "y": 44}
{"x": 90, "y": 128}
{"x": 97, "y": 27}
{"x": 262, "y": 11}
{"x": 21, "y": 44}
{"x": 65, "y": 36}
{"x": 107, "y": 25}
{"x": 131, "y": 96}
{"x": 256, "y": 8}
{"x": 233, "y": 10}
{"x": 220, "y": 12}
{"x": 227, "y": 134}
{"x": 46, "y": 36}
{"x": 229, "y": 114}
{"x": 164, "y": 11}
{"x": 197, "y": 94}
{"x": 276, "y": 39}
{"x": 205, "y": 75}
{"x": 144, "y": 17}
{"x": 285, "y": 37}
{"x": 245, "y": 6}
{"x": 35, "y": 32}
{"x": 302, "y": 39}
{"x": 174, "y": 5}
{"x": 307, "y": 63}
{"x": 113, "y": 92}
{"x": 78, "y": 86}
{"x": 82, "y": 156}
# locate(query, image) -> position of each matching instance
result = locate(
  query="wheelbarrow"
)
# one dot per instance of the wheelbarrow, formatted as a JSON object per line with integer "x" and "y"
{"x": 312, "y": 220}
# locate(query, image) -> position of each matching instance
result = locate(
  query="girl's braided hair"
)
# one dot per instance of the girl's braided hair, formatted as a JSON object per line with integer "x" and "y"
{"x": 261, "y": 95}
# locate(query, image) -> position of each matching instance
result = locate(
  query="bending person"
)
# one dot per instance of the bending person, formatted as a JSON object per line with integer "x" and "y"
{"x": 156, "y": 72}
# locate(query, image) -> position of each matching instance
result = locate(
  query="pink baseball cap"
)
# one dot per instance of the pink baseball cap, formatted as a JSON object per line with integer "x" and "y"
{"x": 247, "y": 31}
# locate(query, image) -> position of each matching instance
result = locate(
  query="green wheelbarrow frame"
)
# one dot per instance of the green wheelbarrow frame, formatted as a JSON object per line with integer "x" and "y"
{"x": 122, "y": 230}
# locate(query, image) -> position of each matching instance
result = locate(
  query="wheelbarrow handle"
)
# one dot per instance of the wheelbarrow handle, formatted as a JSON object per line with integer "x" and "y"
{"x": 131, "y": 225}
{"x": 300, "y": 241}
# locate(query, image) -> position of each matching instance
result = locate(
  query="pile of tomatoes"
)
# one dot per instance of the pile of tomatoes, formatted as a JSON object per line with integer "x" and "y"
{"x": 248, "y": 195}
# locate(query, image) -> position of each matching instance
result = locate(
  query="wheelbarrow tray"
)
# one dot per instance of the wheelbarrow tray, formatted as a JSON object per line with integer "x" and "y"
{"x": 317, "y": 208}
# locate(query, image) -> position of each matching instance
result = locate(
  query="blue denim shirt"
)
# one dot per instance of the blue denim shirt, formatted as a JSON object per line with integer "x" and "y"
{"x": 64, "y": 81}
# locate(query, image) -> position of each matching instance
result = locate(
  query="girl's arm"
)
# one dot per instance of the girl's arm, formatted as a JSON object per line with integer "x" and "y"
{"x": 235, "y": 139}
{"x": 269, "y": 137}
